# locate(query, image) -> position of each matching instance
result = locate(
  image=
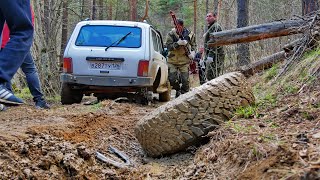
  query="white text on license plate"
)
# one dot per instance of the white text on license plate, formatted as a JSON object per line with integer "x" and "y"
{"x": 104, "y": 65}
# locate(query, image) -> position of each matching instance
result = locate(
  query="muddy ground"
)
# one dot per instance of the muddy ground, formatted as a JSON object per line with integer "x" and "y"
{"x": 281, "y": 140}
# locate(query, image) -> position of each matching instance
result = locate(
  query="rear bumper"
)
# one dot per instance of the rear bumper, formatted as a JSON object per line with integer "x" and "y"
{"x": 106, "y": 81}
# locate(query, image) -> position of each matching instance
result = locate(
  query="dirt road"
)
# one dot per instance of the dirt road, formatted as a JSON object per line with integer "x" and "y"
{"x": 32, "y": 140}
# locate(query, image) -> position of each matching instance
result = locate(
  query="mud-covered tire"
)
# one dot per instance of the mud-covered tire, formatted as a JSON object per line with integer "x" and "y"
{"x": 69, "y": 95}
{"x": 182, "y": 122}
{"x": 165, "y": 96}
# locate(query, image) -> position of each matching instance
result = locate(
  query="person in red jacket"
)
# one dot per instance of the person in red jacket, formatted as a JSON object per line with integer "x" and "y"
{"x": 29, "y": 69}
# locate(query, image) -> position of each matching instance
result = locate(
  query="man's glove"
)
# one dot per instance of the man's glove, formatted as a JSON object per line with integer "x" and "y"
{"x": 182, "y": 42}
{"x": 191, "y": 55}
{"x": 209, "y": 60}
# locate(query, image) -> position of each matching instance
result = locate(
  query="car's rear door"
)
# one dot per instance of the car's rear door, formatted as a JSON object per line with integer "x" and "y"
{"x": 107, "y": 50}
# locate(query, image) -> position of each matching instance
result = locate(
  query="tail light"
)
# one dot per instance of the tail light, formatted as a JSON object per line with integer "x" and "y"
{"x": 143, "y": 68}
{"x": 67, "y": 65}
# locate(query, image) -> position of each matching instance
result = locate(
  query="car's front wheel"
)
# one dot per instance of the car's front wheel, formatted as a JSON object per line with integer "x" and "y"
{"x": 69, "y": 95}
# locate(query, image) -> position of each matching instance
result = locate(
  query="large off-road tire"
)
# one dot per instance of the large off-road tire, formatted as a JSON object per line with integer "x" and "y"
{"x": 165, "y": 96}
{"x": 69, "y": 95}
{"x": 182, "y": 122}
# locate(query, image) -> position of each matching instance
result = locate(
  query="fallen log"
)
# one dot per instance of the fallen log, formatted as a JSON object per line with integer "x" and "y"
{"x": 264, "y": 63}
{"x": 259, "y": 32}
{"x": 290, "y": 46}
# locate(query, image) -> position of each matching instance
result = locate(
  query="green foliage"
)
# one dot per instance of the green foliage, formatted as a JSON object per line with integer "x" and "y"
{"x": 246, "y": 112}
{"x": 96, "y": 106}
{"x": 291, "y": 89}
{"x": 238, "y": 128}
{"x": 26, "y": 95}
{"x": 255, "y": 151}
{"x": 54, "y": 99}
{"x": 311, "y": 79}
{"x": 311, "y": 54}
{"x": 307, "y": 115}
{"x": 272, "y": 124}
{"x": 272, "y": 72}
{"x": 268, "y": 99}
{"x": 303, "y": 75}
{"x": 23, "y": 93}
{"x": 268, "y": 138}
{"x": 165, "y": 6}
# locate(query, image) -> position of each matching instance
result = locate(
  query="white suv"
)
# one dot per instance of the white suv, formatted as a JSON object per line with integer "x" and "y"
{"x": 114, "y": 57}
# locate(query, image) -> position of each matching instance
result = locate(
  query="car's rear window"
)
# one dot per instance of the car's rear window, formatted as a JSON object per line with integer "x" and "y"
{"x": 103, "y": 35}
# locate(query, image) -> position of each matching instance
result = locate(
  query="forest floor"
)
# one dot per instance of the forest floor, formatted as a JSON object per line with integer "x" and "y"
{"x": 278, "y": 139}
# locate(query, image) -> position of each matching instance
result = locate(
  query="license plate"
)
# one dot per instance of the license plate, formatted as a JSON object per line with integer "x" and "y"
{"x": 105, "y": 65}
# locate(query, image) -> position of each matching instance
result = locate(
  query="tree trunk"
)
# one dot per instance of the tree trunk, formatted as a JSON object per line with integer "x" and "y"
{"x": 264, "y": 63}
{"x": 64, "y": 32}
{"x": 133, "y": 10}
{"x": 101, "y": 9}
{"x": 207, "y": 7}
{"x": 243, "y": 50}
{"x": 207, "y": 11}
{"x": 146, "y": 12}
{"x": 195, "y": 17}
{"x": 93, "y": 11}
{"x": 309, "y": 6}
{"x": 110, "y": 9}
{"x": 258, "y": 32}
{"x": 46, "y": 22}
{"x": 87, "y": 9}
{"x": 82, "y": 9}
{"x": 216, "y": 6}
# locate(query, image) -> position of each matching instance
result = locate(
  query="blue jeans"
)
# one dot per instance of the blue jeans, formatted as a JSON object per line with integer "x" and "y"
{"x": 32, "y": 76}
{"x": 17, "y": 14}
{"x": 29, "y": 69}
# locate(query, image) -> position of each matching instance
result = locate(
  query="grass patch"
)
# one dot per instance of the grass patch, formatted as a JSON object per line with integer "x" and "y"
{"x": 54, "y": 99}
{"x": 26, "y": 95}
{"x": 246, "y": 112}
{"x": 311, "y": 54}
{"x": 97, "y": 106}
{"x": 269, "y": 99}
{"x": 23, "y": 93}
{"x": 268, "y": 138}
{"x": 257, "y": 153}
{"x": 238, "y": 128}
{"x": 290, "y": 89}
{"x": 271, "y": 73}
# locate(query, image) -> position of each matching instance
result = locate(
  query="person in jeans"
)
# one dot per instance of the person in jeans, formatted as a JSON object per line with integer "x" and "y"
{"x": 17, "y": 14}
{"x": 29, "y": 69}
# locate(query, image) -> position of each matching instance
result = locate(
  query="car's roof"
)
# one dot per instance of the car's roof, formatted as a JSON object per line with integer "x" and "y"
{"x": 116, "y": 23}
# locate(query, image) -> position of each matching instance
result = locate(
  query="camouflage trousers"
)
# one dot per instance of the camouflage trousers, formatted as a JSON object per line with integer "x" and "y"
{"x": 179, "y": 77}
{"x": 214, "y": 69}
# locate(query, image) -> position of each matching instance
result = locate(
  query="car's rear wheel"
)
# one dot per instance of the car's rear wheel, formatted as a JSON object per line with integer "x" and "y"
{"x": 165, "y": 96}
{"x": 69, "y": 95}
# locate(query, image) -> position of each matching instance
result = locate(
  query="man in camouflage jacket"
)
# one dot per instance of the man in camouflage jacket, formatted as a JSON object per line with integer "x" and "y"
{"x": 178, "y": 59}
{"x": 213, "y": 56}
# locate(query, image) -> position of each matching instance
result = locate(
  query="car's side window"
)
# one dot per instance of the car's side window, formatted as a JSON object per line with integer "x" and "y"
{"x": 160, "y": 46}
{"x": 155, "y": 41}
